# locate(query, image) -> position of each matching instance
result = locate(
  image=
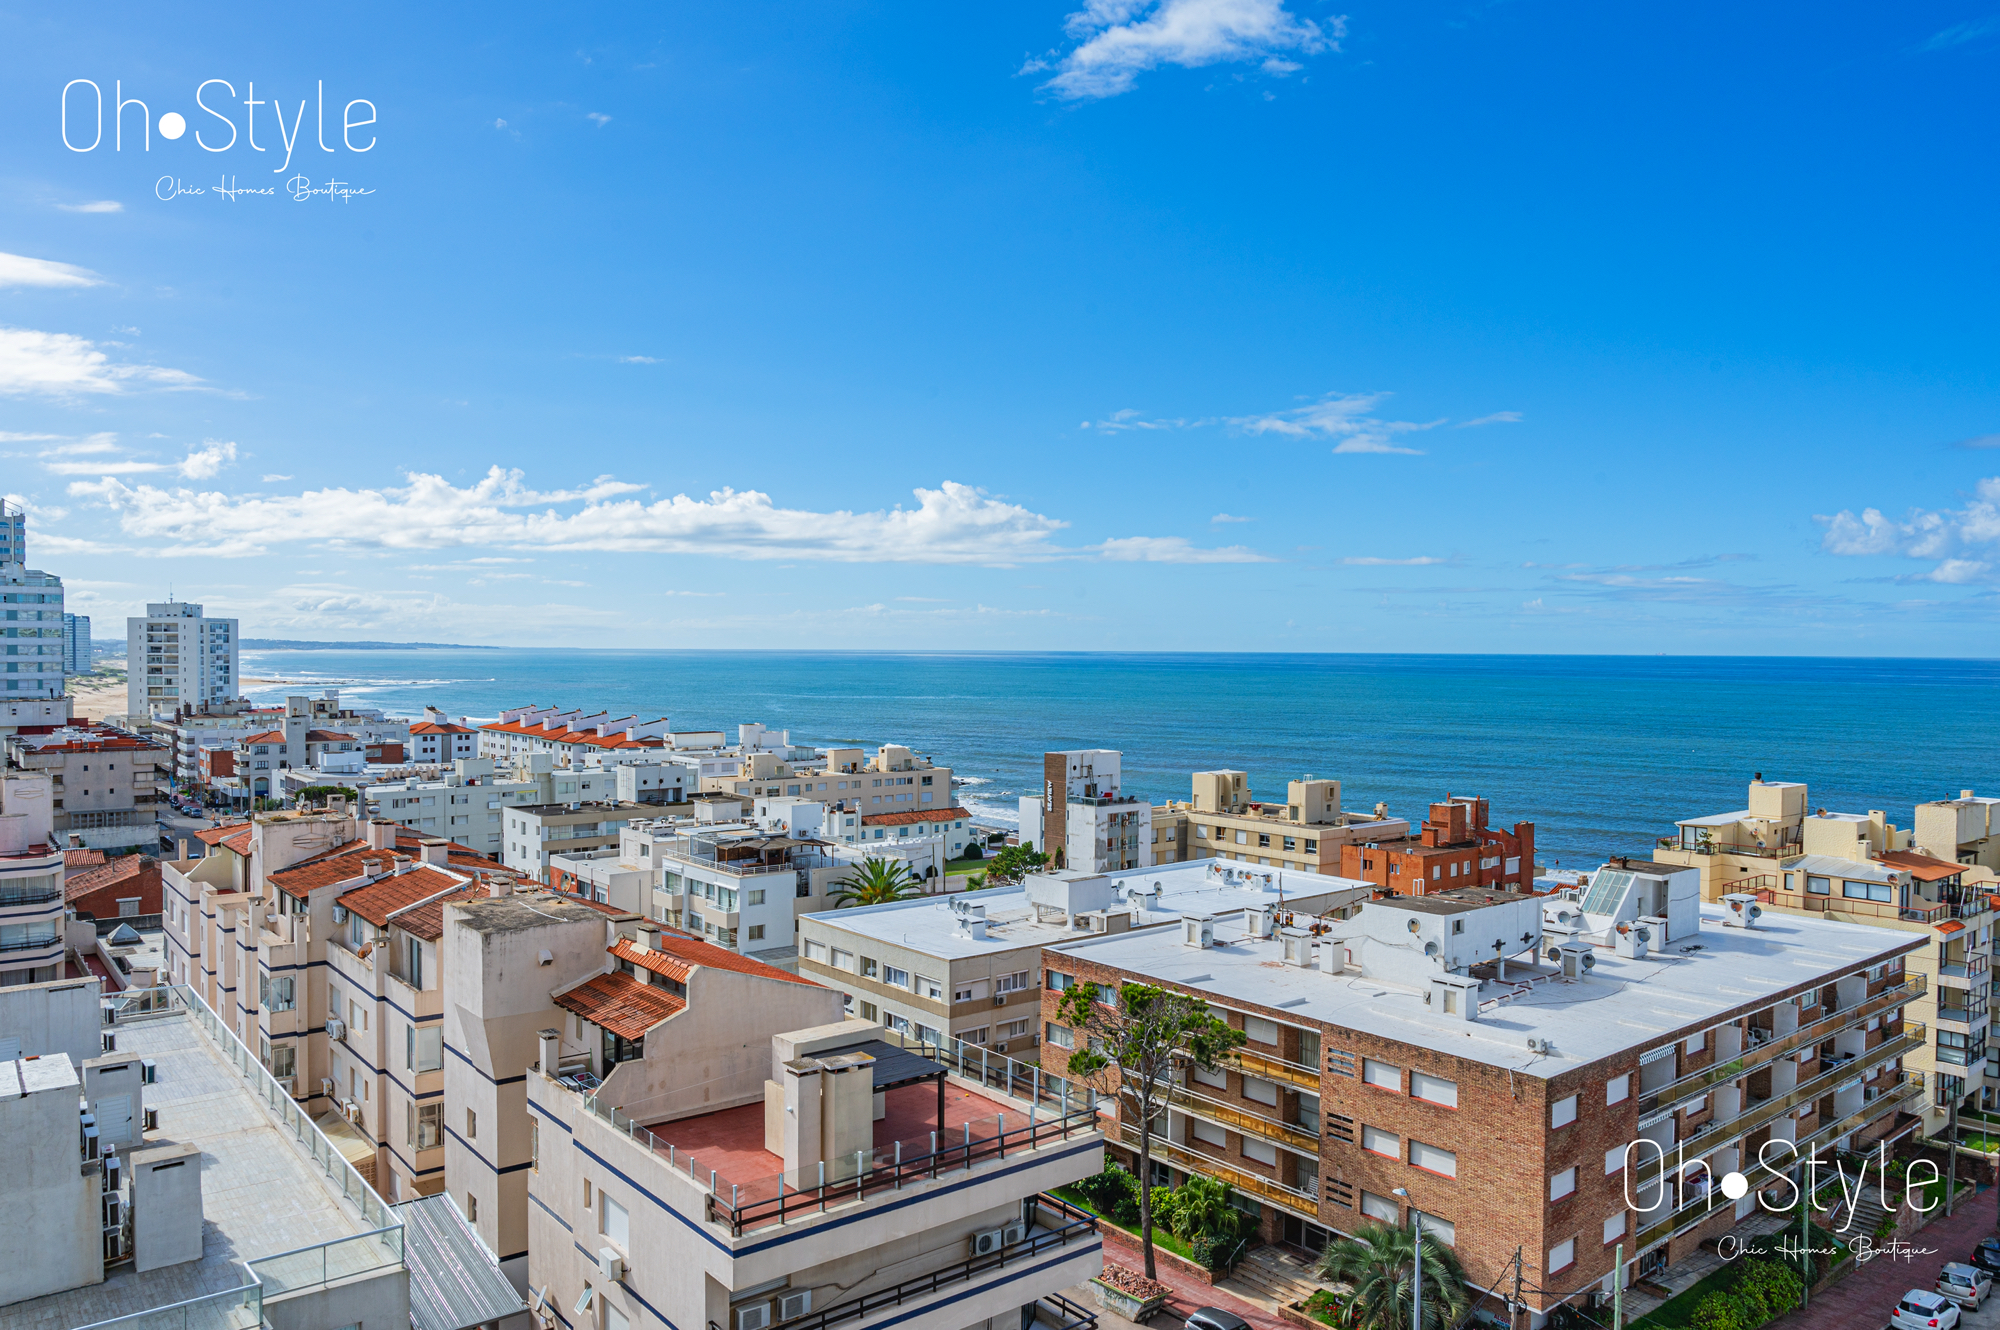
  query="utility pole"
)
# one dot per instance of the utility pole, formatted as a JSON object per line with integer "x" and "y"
{"x": 1951, "y": 1146}
{"x": 1618, "y": 1288}
{"x": 1514, "y": 1307}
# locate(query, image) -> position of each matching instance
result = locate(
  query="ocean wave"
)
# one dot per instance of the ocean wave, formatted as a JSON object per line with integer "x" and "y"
{"x": 991, "y": 812}
{"x": 972, "y": 780}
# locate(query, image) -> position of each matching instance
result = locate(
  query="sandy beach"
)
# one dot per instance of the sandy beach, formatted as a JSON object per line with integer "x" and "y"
{"x": 95, "y": 696}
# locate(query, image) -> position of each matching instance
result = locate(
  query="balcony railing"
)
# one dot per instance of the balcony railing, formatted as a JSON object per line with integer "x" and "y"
{"x": 1908, "y": 1091}
{"x": 38, "y": 943}
{"x": 1288, "y": 1134}
{"x": 1787, "y": 850}
{"x": 1071, "y": 1223}
{"x": 1970, "y": 968}
{"x": 1303, "y": 1204}
{"x": 1714, "y": 1135}
{"x": 1277, "y": 1069}
{"x": 1960, "y": 1057}
{"x": 39, "y": 896}
{"x": 1687, "y": 1087}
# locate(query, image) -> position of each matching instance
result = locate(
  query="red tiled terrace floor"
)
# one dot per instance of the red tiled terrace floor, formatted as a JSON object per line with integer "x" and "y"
{"x": 731, "y": 1142}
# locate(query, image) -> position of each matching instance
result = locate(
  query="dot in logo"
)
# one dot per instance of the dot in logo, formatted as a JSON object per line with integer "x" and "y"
{"x": 1735, "y": 1186}
{"x": 172, "y": 126}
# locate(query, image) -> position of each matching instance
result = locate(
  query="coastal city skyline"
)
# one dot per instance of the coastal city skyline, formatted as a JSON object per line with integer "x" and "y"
{"x": 1085, "y": 317}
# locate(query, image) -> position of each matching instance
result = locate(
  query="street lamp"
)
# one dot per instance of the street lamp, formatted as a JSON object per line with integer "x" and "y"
{"x": 1416, "y": 1264}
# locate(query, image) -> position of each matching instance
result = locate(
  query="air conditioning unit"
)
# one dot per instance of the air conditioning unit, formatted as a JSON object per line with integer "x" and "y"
{"x": 149, "y": 1072}
{"x": 999, "y": 1048}
{"x": 752, "y": 1316}
{"x": 326, "y": 1087}
{"x": 610, "y": 1264}
{"x": 336, "y": 1028}
{"x": 999, "y": 999}
{"x": 151, "y": 1120}
{"x": 111, "y": 1212}
{"x": 339, "y": 914}
{"x": 987, "y": 1243}
{"x": 1012, "y": 1234}
{"x": 791, "y": 1306}
{"x": 110, "y": 1013}
{"x": 350, "y": 1110}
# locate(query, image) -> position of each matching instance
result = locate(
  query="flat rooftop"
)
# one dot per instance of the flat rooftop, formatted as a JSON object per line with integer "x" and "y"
{"x": 1621, "y": 1004}
{"x": 1203, "y": 886}
{"x": 260, "y": 1193}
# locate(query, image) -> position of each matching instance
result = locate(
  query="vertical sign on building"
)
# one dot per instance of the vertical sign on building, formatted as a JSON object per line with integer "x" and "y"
{"x": 1055, "y": 804}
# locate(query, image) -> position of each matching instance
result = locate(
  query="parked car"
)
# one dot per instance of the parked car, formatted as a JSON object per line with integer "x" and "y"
{"x": 1966, "y": 1285}
{"x": 1924, "y": 1310}
{"x": 1214, "y": 1318}
{"x": 1987, "y": 1254}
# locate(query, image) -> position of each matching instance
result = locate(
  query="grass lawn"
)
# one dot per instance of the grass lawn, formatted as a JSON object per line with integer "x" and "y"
{"x": 1973, "y": 1140}
{"x": 1678, "y": 1311}
{"x": 1162, "y": 1239}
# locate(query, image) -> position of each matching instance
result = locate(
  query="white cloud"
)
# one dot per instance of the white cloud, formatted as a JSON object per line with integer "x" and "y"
{"x": 1221, "y": 518}
{"x": 1376, "y": 561}
{"x": 1954, "y": 537}
{"x": 208, "y": 460}
{"x": 638, "y": 360}
{"x": 1117, "y": 40}
{"x": 19, "y": 270}
{"x": 97, "y": 205}
{"x": 953, "y": 524}
{"x": 274, "y": 478}
{"x": 597, "y": 118}
{"x": 59, "y": 365}
{"x": 1497, "y": 418}
{"x": 1347, "y": 417}
{"x": 1175, "y": 549}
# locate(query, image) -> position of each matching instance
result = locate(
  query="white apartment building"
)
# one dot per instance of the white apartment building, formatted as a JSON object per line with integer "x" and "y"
{"x": 968, "y": 966}
{"x": 570, "y": 738}
{"x": 469, "y": 802}
{"x": 31, "y": 884}
{"x": 533, "y": 835}
{"x": 31, "y": 605}
{"x": 76, "y": 644}
{"x": 13, "y": 533}
{"x": 176, "y": 657}
{"x": 1082, "y": 819}
{"x": 678, "y": 1085}
{"x": 437, "y": 738}
{"x": 221, "y": 725}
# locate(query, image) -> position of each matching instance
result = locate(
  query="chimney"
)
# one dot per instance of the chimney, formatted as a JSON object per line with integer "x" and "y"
{"x": 436, "y": 850}
{"x": 499, "y": 884}
{"x": 76, "y": 840}
{"x": 184, "y": 847}
{"x": 371, "y": 865}
{"x": 404, "y": 863}
{"x": 551, "y": 1042}
{"x": 381, "y": 835}
{"x": 1198, "y": 930}
{"x": 647, "y": 938}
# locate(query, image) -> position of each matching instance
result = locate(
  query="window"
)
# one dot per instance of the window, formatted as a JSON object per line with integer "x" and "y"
{"x": 1376, "y": 1141}
{"x": 1867, "y": 891}
{"x": 1442, "y": 1230}
{"x": 1614, "y": 1160}
{"x": 1818, "y": 886}
{"x": 1617, "y": 1089}
{"x": 1018, "y": 982}
{"x": 1383, "y": 1208}
{"x": 929, "y": 987}
{"x": 815, "y": 951}
{"x": 1563, "y": 1184}
{"x": 1562, "y": 1112}
{"x": 756, "y": 897}
{"x": 1262, "y": 1152}
{"x": 1614, "y": 1228}
{"x": 756, "y": 932}
{"x": 283, "y": 1060}
{"x": 1015, "y": 1029}
{"x": 969, "y": 991}
{"x": 471, "y": 1208}
{"x": 1262, "y": 1092}
{"x": 892, "y": 975}
{"x": 867, "y": 968}
{"x": 1061, "y": 1036}
{"x": 1382, "y": 1075}
{"x": 1258, "y": 1030}
{"x": 471, "y": 1125}
{"x": 1207, "y": 1132}
{"x": 973, "y": 1036}
{"x": 1434, "y": 1089}
{"x": 1563, "y": 1255}
{"x": 870, "y": 1012}
{"x": 843, "y": 960}
{"x": 1433, "y": 1159}
{"x": 426, "y": 1126}
{"x": 1242, "y": 838}
{"x": 613, "y": 1223}
{"x": 423, "y": 1048}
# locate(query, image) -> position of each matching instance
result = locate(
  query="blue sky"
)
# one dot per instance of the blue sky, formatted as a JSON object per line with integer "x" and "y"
{"x": 1191, "y": 324}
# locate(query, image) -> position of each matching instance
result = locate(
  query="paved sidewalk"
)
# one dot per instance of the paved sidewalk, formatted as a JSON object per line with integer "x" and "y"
{"x": 1188, "y": 1291}
{"x": 1864, "y": 1299}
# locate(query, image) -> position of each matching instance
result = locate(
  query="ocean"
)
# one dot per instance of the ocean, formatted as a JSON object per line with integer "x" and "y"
{"x": 1601, "y": 753}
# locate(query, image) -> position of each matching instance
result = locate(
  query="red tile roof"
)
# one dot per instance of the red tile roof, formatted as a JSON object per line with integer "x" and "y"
{"x": 216, "y": 835}
{"x": 1921, "y": 866}
{"x": 679, "y": 954}
{"x": 589, "y": 737}
{"x": 343, "y": 862}
{"x": 74, "y": 860}
{"x": 432, "y": 727}
{"x": 238, "y": 840}
{"x": 914, "y": 815}
{"x": 383, "y": 897}
{"x": 427, "y": 920}
{"x": 328, "y": 736}
{"x": 131, "y": 871}
{"x": 620, "y": 1003}
{"x": 267, "y": 737}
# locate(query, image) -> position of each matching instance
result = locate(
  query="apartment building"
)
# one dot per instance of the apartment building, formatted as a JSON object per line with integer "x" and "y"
{"x": 895, "y": 780}
{"x": 31, "y": 883}
{"x": 1860, "y": 868}
{"x": 1082, "y": 820}
{"x": 968, "y": 967}
{"x": 1488, "y": 1059}
{"x": 1224, "y": 821}
{"x": 570, "y": 738}
{"x": 1964, "y": 830}
{"x": 77, "y": 657}
{"x": 208, "y": 727}
{"x": 13, "y": 533}
{"x": 470, "y": 801}
{"x": 714, "y": 1144}
{"x": 1455, "y": 847}
{"x": 439, "y": 739}
{"x": 31, "y": 622}
{"x": 104, "y": 782}
{"x": 532, "y": 835}
{"x": 176, "y": 656}
{"x": 173, "y": 1182}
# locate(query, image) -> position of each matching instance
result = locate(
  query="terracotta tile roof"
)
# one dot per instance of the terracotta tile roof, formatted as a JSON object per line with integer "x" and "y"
{"x": 589, "y": 737}
{"x": 328, "y": 736}
{"x": 1954, "y": 926}
{"x": 74, "y": 860}
{"x": 1921, "y": 866}
{"x": 126, "y": 868}
{"x": 267, "y": 737}
{"x": 620, "y": 1003}
{"x": 382, "y": 898}
{"x": 323, "y": 870}
{"x": 238, "y": 840}
{"x": 914, "y": 815}
{"x": 427, "y": 921}
{"x": 216, "y": 835}
{"x": 433, "y": 727}
{"x": 679, "y": 954}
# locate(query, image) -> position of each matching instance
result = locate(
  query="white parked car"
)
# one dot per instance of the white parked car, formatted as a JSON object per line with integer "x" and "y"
{"x": 1966, "y": 1285}
{"x": 1921, "y": 1309}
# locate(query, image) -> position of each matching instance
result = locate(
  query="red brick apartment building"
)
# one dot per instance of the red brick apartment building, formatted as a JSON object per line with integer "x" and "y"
{"x": 1494, "y": 1053}
{"x": 1454, "y": 848}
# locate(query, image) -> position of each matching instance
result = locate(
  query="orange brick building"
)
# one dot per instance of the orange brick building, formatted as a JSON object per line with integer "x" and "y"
{"x": 1454, "y": 848}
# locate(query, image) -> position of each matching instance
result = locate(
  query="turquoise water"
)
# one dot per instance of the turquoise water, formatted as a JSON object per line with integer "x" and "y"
{"x": 1601, "y": 753}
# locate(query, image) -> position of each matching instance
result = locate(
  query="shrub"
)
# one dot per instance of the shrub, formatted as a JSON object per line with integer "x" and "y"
{"x": 1771, "y": 1287}
{"x": 1717, "y": 1311}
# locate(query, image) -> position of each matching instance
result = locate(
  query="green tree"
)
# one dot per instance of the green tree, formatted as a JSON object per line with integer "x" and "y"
{"x": 1014, "y": 862}
{"x": 1131, "y": 1039}
{"x": 313, "y": 794}
{"x": 1378, "y": 1263}
{"x": 876, "y": 882}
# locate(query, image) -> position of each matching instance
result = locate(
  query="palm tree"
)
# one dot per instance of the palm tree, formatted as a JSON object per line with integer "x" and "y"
{"x": 877, "y": 882}
{"x": 1377, "y": 1263}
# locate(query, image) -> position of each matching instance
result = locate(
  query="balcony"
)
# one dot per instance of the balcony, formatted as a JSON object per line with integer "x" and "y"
{"x": 1967, "y": 972}
{"x": 1688, "y": 1087}
{"x": 1959, "y": 1057}
{"x": 1290, "y": 1199}
{"x": 1785, "y": 850}
{"x": 1291, "y": 1135}
{"x": 1274, "y": 1068}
